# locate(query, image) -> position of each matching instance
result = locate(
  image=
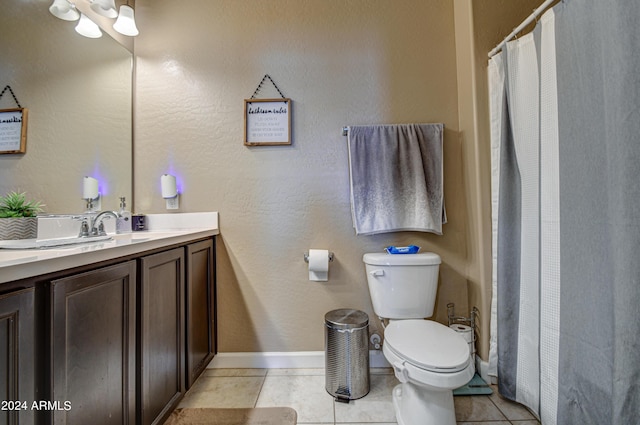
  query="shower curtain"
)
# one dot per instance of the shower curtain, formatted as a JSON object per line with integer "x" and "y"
{"x": 565, "y": 152}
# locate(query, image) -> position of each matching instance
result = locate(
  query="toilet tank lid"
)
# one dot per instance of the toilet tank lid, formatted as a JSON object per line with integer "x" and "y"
{"x": 384, "y": 259}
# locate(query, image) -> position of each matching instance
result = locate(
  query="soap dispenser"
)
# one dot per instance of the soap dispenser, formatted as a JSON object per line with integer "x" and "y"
{"x": 123, "y": 224}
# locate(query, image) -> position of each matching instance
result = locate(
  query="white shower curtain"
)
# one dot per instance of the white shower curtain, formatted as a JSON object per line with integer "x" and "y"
{"x": 518, "y": 150}
{"x": 565, "y": 161}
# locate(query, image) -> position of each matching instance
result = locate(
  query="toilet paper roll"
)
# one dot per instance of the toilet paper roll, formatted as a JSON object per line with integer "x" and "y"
{"x": 319, "y": 265}
{"x": 467, "y": 333}
{"x": 464, "y": 331}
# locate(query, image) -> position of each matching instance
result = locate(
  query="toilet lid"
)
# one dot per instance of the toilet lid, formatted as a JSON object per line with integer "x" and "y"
{"x": 428, "y": 345}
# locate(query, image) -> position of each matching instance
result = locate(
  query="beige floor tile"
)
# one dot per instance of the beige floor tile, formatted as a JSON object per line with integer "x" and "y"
{"x": 305, "y": 394}
{"x": 223, "y": 392}
{"x": 484, "y": 423}
{"x": 304, "y": 390}
{"x": 321, "y": 371}
{"x": 296, "y": 372}
{"x": 377, "y": 406}
{"x": 235, "y": 372}
{"x": 476, "y": 408}
{"x": 511, "y": 410}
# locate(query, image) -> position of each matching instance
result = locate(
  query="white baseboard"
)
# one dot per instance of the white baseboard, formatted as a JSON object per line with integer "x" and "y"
{"x": 283, "y": 360}
{"x": 482, "y": 368}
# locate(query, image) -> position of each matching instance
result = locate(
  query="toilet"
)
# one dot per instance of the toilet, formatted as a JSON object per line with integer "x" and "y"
{"x": 429, "y": 359}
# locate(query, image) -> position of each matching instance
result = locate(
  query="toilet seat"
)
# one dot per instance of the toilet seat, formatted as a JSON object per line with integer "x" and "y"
{"x": 427, "y": 345}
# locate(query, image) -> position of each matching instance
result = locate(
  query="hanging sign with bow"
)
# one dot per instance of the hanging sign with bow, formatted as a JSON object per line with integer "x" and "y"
{"x": 267, "y": 121}
{"x": 13, "y": 127}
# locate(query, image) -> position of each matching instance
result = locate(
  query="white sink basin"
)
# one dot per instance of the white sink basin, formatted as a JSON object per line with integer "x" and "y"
{"x": 50, "y": 243}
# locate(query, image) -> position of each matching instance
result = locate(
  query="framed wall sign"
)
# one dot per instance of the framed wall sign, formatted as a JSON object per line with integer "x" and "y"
{"x": 13, "y": 130}
{"x": 267, "y": 122}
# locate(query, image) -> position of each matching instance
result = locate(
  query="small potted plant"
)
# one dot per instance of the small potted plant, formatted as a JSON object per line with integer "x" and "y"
{"x": 18, "y": 217}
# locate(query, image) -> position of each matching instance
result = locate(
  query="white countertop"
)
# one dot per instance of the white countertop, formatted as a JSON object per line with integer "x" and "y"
{"x": 163, "y": 231}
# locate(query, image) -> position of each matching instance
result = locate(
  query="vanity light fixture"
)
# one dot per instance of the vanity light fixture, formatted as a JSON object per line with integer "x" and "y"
{"x": 105, "y": 8}
{"x": 91, "y": 193}
{"x": 126, "y": 23}
{"x": 88, "y": 28}
{"x": 169, "y": 191}
{"x": 64, "y": 10}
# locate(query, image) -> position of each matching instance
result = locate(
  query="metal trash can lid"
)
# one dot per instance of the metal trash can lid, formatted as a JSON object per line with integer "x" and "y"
{"x": 346, "y": 318}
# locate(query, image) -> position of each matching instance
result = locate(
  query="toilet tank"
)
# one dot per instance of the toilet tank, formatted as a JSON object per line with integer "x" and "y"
{"x": 402, "y": 286}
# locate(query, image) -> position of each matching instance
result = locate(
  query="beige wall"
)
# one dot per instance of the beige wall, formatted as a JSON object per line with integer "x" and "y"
{"x": 341, "y": 62}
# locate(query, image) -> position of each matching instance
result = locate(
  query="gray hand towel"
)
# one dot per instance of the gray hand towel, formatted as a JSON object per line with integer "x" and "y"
{"x": 396, "y": 178}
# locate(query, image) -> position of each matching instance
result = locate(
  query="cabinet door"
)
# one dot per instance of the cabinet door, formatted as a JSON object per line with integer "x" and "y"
{"x": 200, "y": 308}
{"x": 94, "y": 340}
{"x": 16, "y": 357}
{"x": 162, "y": 346}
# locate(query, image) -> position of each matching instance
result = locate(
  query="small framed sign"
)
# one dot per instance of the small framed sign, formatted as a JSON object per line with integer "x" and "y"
{"x": 13, "y": 130}
{"x": 267, "y": 122}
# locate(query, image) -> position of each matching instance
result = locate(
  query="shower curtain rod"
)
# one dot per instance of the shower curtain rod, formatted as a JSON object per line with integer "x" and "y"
{"x": 520, "y": 27}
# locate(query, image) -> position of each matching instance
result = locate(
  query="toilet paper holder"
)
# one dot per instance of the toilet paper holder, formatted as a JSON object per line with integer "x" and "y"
{"x": 469, "y": 321}
{"x": 306, "y": 256}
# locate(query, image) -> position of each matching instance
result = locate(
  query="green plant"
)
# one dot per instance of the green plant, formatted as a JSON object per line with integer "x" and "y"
{"x": 15, "y": 204}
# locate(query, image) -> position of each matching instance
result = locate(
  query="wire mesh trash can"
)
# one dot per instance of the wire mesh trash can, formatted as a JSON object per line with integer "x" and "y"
{"x": 346, "y": 354}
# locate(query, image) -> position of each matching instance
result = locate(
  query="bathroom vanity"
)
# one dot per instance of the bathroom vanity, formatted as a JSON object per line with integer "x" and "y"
{"x": 112, "y": 332}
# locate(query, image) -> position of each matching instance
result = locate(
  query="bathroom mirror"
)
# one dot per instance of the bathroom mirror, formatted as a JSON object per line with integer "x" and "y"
{"x": 79, "y": 95}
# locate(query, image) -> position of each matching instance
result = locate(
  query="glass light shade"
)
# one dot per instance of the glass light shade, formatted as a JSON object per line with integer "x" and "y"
{"x": 105, "y": 8}
{"x": 64, "y": 10}
{"x": 88, "y": 28}
{"x": 126, "y": 23}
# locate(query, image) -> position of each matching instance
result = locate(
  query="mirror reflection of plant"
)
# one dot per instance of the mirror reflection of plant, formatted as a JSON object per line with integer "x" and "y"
{"x": 15, "y": 204}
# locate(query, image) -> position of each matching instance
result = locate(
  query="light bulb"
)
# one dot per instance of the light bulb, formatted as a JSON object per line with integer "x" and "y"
{"x": 126, "y": 23}
{"x": 88, "y": 28}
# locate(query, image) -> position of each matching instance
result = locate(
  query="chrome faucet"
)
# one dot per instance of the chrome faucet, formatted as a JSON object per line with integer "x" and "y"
{"x": 93, "y": 226}
{"x": 97, "y": 228}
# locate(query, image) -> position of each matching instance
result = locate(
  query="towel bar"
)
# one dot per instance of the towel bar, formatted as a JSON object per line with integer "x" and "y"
{"x": 345, "y": 130}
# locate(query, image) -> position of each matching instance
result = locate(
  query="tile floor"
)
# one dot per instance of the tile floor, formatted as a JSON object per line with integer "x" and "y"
{"x": 303, "y": 390}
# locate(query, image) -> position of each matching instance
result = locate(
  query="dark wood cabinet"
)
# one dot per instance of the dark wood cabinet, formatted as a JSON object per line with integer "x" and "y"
{"x": 17, "y": 357}
{"x": 161, "y": 349}
{"x": 200, "y": 309}
{"x": 93, "y": 346}
{"x": 113, "y": 343}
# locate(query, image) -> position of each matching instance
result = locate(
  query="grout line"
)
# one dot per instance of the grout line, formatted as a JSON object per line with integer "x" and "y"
{"x": 264, "y": 377}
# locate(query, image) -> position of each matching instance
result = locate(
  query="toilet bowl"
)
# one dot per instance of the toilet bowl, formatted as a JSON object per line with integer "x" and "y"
{"x": 430, "y": 360}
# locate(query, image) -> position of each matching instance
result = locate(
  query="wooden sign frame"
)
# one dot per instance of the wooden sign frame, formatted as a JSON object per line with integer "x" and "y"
{"x": 267, "y": 122}
{"x": 13, "y": 130}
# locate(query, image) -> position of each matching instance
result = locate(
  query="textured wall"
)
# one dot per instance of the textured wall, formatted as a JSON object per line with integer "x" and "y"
{"x": 341, "y": 62}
